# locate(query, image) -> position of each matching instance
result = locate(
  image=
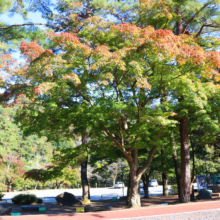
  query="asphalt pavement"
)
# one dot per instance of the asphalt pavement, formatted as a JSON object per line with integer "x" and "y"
{"x": 213, "y": 214}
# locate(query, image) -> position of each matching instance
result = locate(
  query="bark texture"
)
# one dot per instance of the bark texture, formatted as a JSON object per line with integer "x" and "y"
{"x": 194, "y": 165}
{"x": 128, "y": 191}
{"x": 177, "y": 172}
{"x": 179, "y": 25}
{"x": 146, "y": 178}
{"x": 164, "y": 174}
{"x": 84, "y": 179}
{"x": 165, "y": 185}
{"x": 185, "y": 161}
{"x": 135, "y": 200}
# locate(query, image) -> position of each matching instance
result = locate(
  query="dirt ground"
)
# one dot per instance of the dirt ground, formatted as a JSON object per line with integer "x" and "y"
{"x": 104, "y": 205}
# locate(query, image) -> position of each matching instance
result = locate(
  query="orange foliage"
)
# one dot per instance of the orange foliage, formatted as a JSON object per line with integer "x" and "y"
{"x": 32, "y": 50}
{"x": 19, "y": 98}
{"x": 160, "y": 44}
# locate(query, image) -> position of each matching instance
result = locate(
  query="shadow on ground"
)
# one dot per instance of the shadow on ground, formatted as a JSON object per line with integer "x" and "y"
{"x": 52, "y": 208}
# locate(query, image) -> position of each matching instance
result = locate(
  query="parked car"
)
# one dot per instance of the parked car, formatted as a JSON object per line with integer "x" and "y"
{"x": 153, "y": 183}
{"x": 141, "y": 184}
{"x": 119, "y": 185}
{"x": 195, "y": 186}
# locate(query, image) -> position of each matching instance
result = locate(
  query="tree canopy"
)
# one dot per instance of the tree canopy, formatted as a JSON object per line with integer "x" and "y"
{"x": 130, "y": 78}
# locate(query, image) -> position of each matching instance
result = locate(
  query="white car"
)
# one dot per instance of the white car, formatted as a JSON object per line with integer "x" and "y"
{"x": 153, "y": 183}
{"x": 119, "y": 185}
{"x": 195, "y": 186}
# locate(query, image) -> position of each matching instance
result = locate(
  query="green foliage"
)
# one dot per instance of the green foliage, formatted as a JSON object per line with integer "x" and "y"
{"x": 38, "y": 175}
{"x": 174, "y": 189}
{"x": 1, "y": 196}
{"x": 5, "y": 5}
{"x": 109, "y": 78}
{"x": 25, "y": 199}
{"x": 39, "y": 200}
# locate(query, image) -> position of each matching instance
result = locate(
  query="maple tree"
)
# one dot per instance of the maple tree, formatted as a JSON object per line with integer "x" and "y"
{"x": 108, "y": 76}
{"x": 109, "y": 86}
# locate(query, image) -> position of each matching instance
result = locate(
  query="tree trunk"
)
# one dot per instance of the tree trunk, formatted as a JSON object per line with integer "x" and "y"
{"x": 36, "y": 185}
{"x": 185, "y": 161}
{"x": 84, "y": 179}
{"x": 114, "y": 182}
{"x": 177, "y": 168}
{"x": 145, "y": 178}
{"x": 135, "y": 199}
{"x": 164, "y": 174}
{"x": 179, "y": 25}
{"x": 194, "y": 165}
{"x": 146, "y": 187}
{"x": 128, "y": 191}
{"x": 165, "y": 185}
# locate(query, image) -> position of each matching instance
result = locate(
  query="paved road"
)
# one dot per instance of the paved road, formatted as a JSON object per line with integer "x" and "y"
{"x": 213, "y": 214}
{"x": 96, "y": 193}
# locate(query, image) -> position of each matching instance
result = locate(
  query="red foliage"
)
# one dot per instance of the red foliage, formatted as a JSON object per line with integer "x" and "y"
{"x": 32, "y": 50}
{"x": 19, "y": 167}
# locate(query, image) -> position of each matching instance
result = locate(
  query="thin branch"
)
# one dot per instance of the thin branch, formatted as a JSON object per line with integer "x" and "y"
{"x": 107, "y": 134}
{"x": 206, "y": 25}
{"x": 120, "y": 131}
{"x": 200, "y": 31}
{"x": 117, "y": 16}
{"x": 147, "y": 163}
{"x": 87, "y": 99}
{"x": 20, "y": 25}
{"x": 150, "y": 156}
{"x": 117, "y": 98}
{"x": 193, "y": 17}
{"x": 121, "y": 78}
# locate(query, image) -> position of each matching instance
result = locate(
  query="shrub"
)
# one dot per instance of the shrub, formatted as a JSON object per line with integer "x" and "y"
{"x": 174, "y": 189}
{"x": 39, "y": 200}
{"x": 24, "y": 199}
{"x": 1, "y": 196}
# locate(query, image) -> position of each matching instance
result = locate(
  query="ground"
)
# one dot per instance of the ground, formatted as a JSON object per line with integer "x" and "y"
{"x": 104, "y": 205}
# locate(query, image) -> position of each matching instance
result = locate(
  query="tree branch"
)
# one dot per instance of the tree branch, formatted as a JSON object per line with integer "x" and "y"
{"x": 206, "y": 25}
{"x": 193, "y": 17}
{"x": 27, "y": 24}
{"x": 147, "y": 163}
{"x": 120, "y": 131}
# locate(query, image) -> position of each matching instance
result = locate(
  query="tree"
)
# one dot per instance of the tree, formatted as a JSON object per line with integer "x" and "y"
{"x": 196, "y": 21}
{"x": 124, "y": 77}
{"x": 124, "y": 80}
{"x": 73, "y": 157}
{"x": 66, "y": 177}
{"x": 38, "y": 175}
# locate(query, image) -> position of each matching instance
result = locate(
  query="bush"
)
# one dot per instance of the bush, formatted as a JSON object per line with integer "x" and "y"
{"x": 25, "y": 199}
{"x": 39, "y": 200}
{"x": 1, "y": 196}
{"x": 174, "y": 189}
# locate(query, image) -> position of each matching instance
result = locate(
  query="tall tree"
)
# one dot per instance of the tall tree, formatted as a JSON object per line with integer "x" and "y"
{"x": 110, "y": 84}
{"x": 111, "y": 76}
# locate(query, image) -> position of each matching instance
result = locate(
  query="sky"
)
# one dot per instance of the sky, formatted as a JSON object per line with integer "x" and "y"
{"x": 34, "y": 17}
{"x": 18, "y": 19}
